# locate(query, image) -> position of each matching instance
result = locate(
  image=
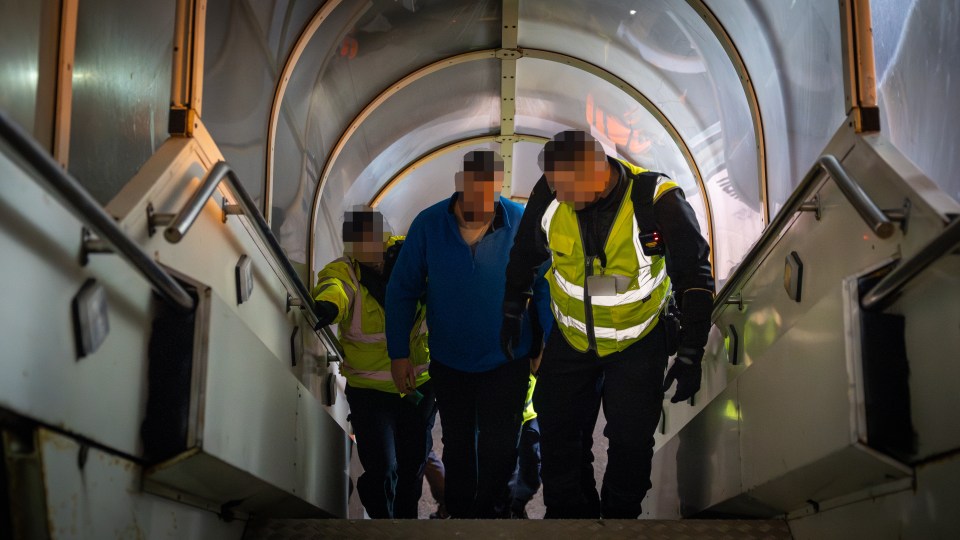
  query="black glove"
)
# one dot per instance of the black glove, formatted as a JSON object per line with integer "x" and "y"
{"x": 326, "y": 313}
{"x": 511, "y": 327}
{"x": 687, "y": 372}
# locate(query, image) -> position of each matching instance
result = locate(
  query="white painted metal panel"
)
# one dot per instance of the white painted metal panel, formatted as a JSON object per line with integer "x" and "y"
{"x": 103, "y": 500}
{"x": 266, "y": 444}
{"x": 40, "y": 376}
{"x": 926, "y": 511}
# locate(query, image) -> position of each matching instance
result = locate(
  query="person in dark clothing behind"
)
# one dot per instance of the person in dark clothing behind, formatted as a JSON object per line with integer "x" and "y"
{"x": 456, "y": 252}
{"x": 622, "y": 240}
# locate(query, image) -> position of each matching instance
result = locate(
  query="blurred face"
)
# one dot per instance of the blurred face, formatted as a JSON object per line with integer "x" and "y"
{"x": 581, "y": 181}
{"x": 364, "y": 240}
{"x": 479, "y": 192}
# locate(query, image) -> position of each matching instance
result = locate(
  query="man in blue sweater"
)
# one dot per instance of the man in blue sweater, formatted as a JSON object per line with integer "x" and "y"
{"x": 456, "y": 252}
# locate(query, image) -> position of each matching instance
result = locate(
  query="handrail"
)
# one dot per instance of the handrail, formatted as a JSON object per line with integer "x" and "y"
{"x": 188, "y": 214}
{"x": 886, "y": 289}
{"x": 85, "y": 208}
{"x": 874, "y": 217}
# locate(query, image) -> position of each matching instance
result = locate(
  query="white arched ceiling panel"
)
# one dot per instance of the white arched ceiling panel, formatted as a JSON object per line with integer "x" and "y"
{"x": 916, "y": 44}
{"x": 793, "y": 52}
{"x": 361, "y": 50}
{"x": 667, "y": 52}
{"x": 526, "y": 169}
{"x": 454, "y": 103}
{"x": 553, "y": 96}
{"x": 428, "y": 184}
{"x": 246, "y": 44}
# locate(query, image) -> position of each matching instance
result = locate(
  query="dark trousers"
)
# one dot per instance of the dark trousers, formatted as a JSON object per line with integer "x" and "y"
{"x": 393, "y": 439}
{"x": 526, "y": 477}
{"x": 481, "y": 415}
{"x": 571, "y": 383}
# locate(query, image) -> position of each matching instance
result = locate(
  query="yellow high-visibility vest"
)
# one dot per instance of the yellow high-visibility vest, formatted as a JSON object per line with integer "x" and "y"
{"x": 642, "y": 285}
{"x": 361, "y": 322}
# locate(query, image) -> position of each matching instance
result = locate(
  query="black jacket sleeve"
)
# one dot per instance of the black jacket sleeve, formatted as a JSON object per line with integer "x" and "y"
{"x": 688, "y": 265}
{"x": 529, "y": 249}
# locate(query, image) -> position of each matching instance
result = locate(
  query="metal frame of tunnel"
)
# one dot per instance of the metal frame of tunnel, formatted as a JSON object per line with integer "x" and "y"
{"x": 446, "y": 149}
{"x": 511, "y": 8}
{"x": 539, "y": 54}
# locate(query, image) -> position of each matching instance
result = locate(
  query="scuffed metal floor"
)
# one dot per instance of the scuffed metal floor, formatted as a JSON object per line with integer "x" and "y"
{"x": 519, "y": 529}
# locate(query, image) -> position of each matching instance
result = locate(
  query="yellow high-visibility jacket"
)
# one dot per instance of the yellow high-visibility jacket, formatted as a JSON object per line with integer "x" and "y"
{"x": 361, "y": 328}
{"x": 643, "y": 287}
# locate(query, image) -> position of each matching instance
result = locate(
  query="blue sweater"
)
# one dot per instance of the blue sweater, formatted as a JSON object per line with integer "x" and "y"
{"x": 464, "y": 291}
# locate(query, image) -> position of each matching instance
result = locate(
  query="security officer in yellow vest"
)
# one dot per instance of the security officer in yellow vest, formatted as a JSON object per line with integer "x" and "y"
{"x": 393, "y": 431}
{"x": 611, "y": 278}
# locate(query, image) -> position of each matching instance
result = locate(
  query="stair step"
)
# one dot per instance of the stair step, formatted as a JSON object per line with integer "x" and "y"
{"x": 699, "y": 529}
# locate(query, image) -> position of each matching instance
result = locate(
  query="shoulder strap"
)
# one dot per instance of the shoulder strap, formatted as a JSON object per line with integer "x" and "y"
{"x": 644, "y": 189}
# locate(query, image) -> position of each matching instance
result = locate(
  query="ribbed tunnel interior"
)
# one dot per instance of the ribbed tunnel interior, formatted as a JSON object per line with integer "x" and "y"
{"x": 373, "y": 102}
{"x": 320, "y": 105}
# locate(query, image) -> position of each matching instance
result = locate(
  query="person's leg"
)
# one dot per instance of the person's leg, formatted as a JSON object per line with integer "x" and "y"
{"x": 564, "y": 400}
{"x": 435, "y": 473}
{"x": 373, "y": 414}
{"x": 588, "y": 480}
{"x": 502, "y": 395}
{"x": 632, "y": 403}
{"x": 457, "y": 402}
{"x": 414, "y": 439}
{"x": 527, "y": 478}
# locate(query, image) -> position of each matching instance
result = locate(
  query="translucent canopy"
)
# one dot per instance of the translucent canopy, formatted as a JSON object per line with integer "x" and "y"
{"x": 692, "y": 88}
{"x": 916, "y": 44}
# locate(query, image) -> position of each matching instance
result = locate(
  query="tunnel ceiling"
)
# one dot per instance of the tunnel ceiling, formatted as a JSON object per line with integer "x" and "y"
{"x": 375, "y": 101}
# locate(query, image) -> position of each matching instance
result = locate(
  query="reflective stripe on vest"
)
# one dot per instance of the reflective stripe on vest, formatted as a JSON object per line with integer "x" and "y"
{"x": 354, "y": 332}
{"x": 619, "y": 319}
{"x": 379, "y": 375}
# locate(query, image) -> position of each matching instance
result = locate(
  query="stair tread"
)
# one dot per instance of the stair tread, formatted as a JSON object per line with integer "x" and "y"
{"x": 282, "y": 529}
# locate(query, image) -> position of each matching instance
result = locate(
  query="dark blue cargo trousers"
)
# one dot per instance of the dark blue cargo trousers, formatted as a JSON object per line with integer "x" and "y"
{"x": 571, "y": 384}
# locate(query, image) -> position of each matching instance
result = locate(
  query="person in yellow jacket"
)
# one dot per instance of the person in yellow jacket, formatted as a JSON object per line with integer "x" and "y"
{"x": 622, "y": 241}
{"x": 393, "y": 430}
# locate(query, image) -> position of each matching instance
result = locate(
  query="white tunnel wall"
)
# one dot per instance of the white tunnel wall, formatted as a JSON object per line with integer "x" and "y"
{"x": 793, "y": 53}
{"x": 666, "y": 51}
{"x": 916, "y": 44}
{"x": 430, "y": 183}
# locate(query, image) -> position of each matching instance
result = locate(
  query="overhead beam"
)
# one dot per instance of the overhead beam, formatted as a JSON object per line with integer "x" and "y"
{"x": 508, "y": 55}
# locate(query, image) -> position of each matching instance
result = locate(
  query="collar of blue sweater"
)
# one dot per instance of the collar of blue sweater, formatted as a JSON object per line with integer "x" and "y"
{"x": 500, "y": 218}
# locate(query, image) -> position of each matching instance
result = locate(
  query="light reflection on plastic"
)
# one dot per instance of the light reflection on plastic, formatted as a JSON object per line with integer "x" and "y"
{"x": 731, "y": 411}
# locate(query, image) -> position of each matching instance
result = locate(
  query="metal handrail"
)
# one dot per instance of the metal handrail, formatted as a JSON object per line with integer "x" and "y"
{"x": 85, "y": 208}
{"x": 886, "y": 289}
{"x": 177, "y": 228}
{"x": 873, "y": 216}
